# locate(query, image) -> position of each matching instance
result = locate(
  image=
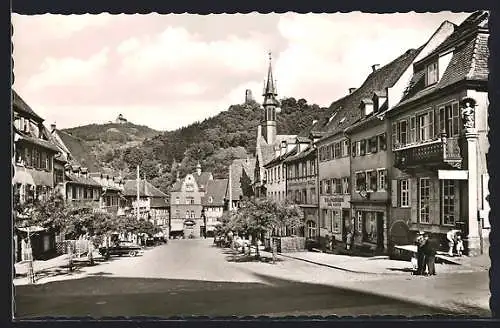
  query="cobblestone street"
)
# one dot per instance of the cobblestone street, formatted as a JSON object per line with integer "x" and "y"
{"x": 191, "y": 277}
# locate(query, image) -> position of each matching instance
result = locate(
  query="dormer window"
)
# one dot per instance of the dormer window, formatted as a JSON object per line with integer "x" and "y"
{"x": 432, "y": 74}
{"x": 210, "y": 200}
{"x": 366, "y": 107}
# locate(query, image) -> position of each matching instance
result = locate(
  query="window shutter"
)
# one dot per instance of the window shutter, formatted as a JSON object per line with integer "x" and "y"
{"x": 431, "y": 123}
{"x": 394, "y": 193}
{"x": 409, "y": 192}
{"x": 394, "y": 134}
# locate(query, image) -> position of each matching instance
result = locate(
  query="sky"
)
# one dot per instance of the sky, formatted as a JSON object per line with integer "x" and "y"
{"x": 167, "y": 71}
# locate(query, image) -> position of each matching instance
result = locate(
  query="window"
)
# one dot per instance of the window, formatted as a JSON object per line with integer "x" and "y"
{"x": 177, "y": 200}
{"x": 311, "y": 229}
{"x": 353, "y": 149}
{"x": 382, "y": 179}
{"x": 412, "y": 135}
{"x": 359, "y": 221}
{"x": 177, "y": 214}
{"x": 328, "y": 189}
{"x": 345, "y": 185}
{"x": 192, "y": 215}
{"x": 304, "y": 196}
{"x": 313, "y": 195}
{"x": 284, "y": 172}
{"x": 329, "y": 151}
{"x": 336, "y": 186}
{"x": 373, "y": 145}
{"x": 360, "y": 181}
{"x": 424, "y": 200}
{"x": 405, "y": 193}
{"x": 338, "y": 149}
{"x": 370, "y": 227}
{"x": 279, "y": 173}
{"x": 321, "y": 187}
{"x": 442, "y": 120}
{"x": 432, "y": 73}
{"x": 362, "y": 147}
{"x": 425, "y": 126}
{"x": 372, "y": 180}
{"x": 44, "y": 162}
{"x": 382, "y": 142}
{"x": 189, "y": 200}
{"x": 335, "y": 219}
{"x": 304, "y": 169}
{"x": 345, "y": 148}
{"x": 403, "y": 132}
{"x": 187, "y": 214}
{"x": 449, "y": 204}
{"x": 453, "y": 120}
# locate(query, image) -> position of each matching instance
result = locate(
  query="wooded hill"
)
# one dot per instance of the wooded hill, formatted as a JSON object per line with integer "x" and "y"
{"x": 214, "y": 142}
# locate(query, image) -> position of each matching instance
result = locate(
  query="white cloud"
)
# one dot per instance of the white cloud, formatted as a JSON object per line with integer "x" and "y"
{"x": 59, "y": 26}
{"x": 68, "y": 71}
{"x": 176, "y": 49}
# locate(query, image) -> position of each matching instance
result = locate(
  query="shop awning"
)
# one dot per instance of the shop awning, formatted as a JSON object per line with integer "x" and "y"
{"x": 23, "y": 177}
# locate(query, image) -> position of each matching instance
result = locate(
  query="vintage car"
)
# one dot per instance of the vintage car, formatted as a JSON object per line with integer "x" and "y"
{"x": 120, "y": 248}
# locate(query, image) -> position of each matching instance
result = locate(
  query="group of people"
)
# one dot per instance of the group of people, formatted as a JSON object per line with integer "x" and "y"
{"x": 426, "y": 255}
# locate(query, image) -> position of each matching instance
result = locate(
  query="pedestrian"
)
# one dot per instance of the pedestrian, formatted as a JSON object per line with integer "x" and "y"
{"x": 429, "y": 249}
{"x": 460, "y": 245}
{"x": 349, "y": 239}
{"x": 420, "y": 254}
{"x": 452, "y": 237}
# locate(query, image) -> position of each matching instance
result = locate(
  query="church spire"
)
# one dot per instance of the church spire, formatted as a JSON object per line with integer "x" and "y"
{"x": 270, "y": 103}
{"x": 269, "y": 87}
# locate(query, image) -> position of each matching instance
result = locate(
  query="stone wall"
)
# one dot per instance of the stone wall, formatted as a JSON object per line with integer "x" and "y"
{"x": 290, "y": 244}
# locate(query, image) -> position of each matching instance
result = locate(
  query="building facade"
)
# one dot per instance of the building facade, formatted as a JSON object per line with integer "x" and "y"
{"x": 439, "y": 141}
{"x": 33, "y": 177}
{"x": 302, "y": 185}
{"x": 214, "y": 204}
{"x": 186, "y": 207}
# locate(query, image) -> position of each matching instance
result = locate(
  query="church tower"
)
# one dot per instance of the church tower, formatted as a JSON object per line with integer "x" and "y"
{"x": 270, "y": 103}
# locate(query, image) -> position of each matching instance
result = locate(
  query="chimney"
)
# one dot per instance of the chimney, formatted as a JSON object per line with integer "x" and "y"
{"x": 375, "y": 67}
{"x": 53, "y": 127}
{"x": 259, "y": 130}
{"x": 351, "y": 90}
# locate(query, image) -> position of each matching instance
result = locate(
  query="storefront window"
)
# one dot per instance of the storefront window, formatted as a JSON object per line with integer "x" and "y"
{"x": 424, "y": 200}
{"x": 450, "y": 199}
{"x": 335, "y": 221}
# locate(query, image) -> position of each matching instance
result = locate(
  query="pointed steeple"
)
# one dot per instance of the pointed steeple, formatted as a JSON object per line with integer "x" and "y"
{"x": 269, "y": 87}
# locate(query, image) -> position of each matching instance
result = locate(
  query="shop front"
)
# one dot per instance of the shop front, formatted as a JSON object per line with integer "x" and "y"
{"x": 370, "y": 225}
{"x": 336, "y": 215}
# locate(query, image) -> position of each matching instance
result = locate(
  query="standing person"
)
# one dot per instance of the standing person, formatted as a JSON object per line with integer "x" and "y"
{"x": 452, "y": 237}
{"x": 429, "y": 249}
{"x": 460, "y": 245}
{"x": 420, "y": 254}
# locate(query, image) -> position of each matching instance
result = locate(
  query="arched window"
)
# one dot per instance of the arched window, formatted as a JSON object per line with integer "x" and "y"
{"x": 311, "y": 229}
{"x": 187, "y": 214}
{"x": 192, "y": 215}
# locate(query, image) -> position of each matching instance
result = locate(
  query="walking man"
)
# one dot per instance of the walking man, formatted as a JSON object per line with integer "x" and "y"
{"x": 429, "y": 249}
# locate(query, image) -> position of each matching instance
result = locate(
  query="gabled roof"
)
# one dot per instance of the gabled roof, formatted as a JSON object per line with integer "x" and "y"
{"x": 146, "y": 189}
{"x": 159, "y": 202}
{"x": 281, "y": 158}
{"x": 469, "y": 61}
{"x": 201, "y": 181}
{"x": 19, "y": 105}
{"x": 347, "y": 108}
{"x": 241, "y": 168}
{"x": 215, "y": 191}
{"x": 267, "y": 150}
{"x": 303, "y": 154}
{"x": 79, "y": 151}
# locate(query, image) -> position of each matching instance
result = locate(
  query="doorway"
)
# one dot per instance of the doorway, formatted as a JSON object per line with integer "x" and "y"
{"x": 380, "y": 230}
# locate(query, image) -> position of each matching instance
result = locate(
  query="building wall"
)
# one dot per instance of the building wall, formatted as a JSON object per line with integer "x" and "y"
{"x": 276, "y": 182}
{"x": 334, "y": 208}
{"x": 213, "y": 215}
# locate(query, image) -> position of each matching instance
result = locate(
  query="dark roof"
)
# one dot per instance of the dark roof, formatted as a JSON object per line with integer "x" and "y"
{"x": 303, "y": 154}
{"x": 469, "y": 61}
{"x": 18, "y": 104}
{"x": 239, "y": 168}
{"x": 146, "y": 189}
{"x": 80, "y": 152}
{"x": 82, "y": 180}
{"x": 159, "y": 202}
{"x": 267, "y": 150}
{"x": 201, "y": 181}
{"x": 216, "y": 190}
{"x": 281, "y": 158}
{"x": 347, "y": 108}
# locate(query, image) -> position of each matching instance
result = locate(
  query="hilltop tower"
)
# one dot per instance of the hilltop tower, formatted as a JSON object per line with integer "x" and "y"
{"x": 270, "y": 103}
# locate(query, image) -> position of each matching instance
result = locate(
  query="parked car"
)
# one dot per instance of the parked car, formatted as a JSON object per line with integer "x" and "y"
{"x": 120, "y": 248}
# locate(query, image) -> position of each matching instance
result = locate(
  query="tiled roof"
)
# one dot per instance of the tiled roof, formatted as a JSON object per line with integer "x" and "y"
{"x": 241, "y": 168}
{"x": 468, "y": 62}
{"x": 80, "y": 152}
{"x": 281, "y": 158}
{"x": 82, "y": 180}
{"x": 146, "y": 189}
{"x": 18, "y": 104}
{"x": 215, "y": 191}
{"x": 305, "y": 153}
{"x": 268, "y": 152}
{"x": 347, "y": 108}
{"x": 40, "y": 142}
{"x": 202, "y": 179}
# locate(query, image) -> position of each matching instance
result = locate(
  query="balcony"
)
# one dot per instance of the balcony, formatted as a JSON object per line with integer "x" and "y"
{"x": 444, "y": 153}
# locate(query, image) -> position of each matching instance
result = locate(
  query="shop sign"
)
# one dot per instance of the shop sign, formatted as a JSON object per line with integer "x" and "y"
{"x": 302, "y": 184}
{"x": 334, "y": 201}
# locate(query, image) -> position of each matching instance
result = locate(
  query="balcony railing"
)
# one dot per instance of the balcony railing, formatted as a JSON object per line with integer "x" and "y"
{"x": 444, "y": 152}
